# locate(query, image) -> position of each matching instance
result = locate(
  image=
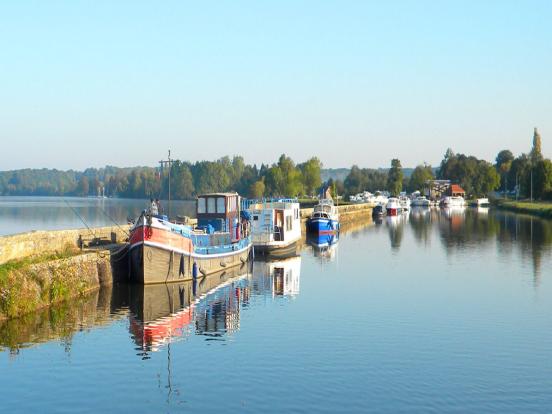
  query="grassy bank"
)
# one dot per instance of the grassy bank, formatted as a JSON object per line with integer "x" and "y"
{"x": 36, "y": 282}
{"x": 536, "y": 208}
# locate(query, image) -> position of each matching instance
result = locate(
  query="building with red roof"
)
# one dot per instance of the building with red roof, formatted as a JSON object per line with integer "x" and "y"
{"x": 456, "y": 191}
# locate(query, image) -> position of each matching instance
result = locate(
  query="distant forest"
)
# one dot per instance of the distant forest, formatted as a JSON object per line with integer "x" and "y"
{"x": 528, "y": 175}
{"x": 283, "y": 178}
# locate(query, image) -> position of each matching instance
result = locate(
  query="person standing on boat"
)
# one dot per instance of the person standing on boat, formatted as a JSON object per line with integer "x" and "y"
{"x": 159, "y": 208}
{"x": 153, "y": 208}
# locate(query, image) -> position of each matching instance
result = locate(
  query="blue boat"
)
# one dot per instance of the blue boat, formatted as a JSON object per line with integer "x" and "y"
{"x": 324, "y": 218}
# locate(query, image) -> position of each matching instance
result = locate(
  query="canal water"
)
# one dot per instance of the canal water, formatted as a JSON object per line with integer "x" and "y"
{"x": 438, "y": 311}
{"x": 23, "y": 214}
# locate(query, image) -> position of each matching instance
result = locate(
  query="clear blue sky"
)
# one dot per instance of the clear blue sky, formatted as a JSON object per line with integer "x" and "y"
{"x": 89, "y": 83}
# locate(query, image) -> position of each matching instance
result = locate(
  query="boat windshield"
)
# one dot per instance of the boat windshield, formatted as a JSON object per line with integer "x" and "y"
{"x": 323, "y": 208}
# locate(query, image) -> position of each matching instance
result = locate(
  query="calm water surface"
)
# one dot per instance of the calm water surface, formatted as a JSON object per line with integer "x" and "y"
{"x": 22, "y": 214}
{"x": 441, "y": 311}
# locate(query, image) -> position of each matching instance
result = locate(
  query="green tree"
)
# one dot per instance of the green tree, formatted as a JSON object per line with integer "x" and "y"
{"x": 311, "y": 175}
{"x": 503, "y": 165}
{"x": 355, "y": 181}
{"x": 182, "y": 181}
{"x": 485, "y": 180}
{"x": 542, "y": 179}
{"x": 283, "y": 178}
{"x": 274, "y": 181}
{"x": 477, "y": 177}
{"x": 257, "y": 189}
{"x": 536, "y": 152}
{"x": 83, "y": 188}
{"x": 420, "y": 175}
{"x": 395, "y": 177}
{"x": 520, "y": 174}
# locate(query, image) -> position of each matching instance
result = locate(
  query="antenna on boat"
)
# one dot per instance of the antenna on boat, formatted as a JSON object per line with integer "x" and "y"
{"x": 168, "y": 162}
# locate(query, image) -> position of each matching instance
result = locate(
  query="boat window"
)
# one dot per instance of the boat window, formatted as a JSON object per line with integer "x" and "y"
{"x": 201, "y": 205}
{"x": 220, "y": 205}
{"x": 288, "y": 223}
{"x": 255, "y": 217}
{"x": 211, "y": 205}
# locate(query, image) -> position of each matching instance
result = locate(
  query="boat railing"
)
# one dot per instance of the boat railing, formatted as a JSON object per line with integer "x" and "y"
{"x": 266, "y": 202}
{"x": 269, "y": 233}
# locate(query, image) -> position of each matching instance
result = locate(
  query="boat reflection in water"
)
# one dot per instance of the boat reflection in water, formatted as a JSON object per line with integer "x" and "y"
{"x": 324, "y": 246}
{"x": 395, "y": 224}
{"x": 165, "y": 313}
{"x": 276, "y": 277}
{"x": 210, "y": 306}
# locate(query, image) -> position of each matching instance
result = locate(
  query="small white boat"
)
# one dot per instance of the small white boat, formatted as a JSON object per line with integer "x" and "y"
{"x": 455, "y": 201}
{"x": 393, "y": 207}
{"x": 405, "y": 203}
{"x": 482, "y": 202}
{"x": 421, "y": 201}
{"x": 275, "y": 225}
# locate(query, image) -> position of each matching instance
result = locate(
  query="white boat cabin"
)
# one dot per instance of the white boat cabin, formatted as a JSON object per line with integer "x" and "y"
{"x": 275, "y": 223}
{"x": 325, "y": 209}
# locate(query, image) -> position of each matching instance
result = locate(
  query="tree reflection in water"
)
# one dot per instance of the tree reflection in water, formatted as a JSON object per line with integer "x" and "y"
{"x": 469, "y": 228}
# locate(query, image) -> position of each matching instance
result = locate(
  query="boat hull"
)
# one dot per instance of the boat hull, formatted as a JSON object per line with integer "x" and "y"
{"x": 276, "y": 251}
{"x": 393, "y": 211}
{"x": 322, "y": 226}
{"x": 151, "y": 264}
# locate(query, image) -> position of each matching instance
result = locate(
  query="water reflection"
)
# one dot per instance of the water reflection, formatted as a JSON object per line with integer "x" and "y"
{"x": 21, "y": 214}
{"x": 395, "y": 225}
{"x": 277, "y": 278}
{"x": 323, "y": 246}
{"x": 210, "y": 306}
{"x": 420, "y": 222}
{"x": 460, "y": 229}
{"x": 58, "y": 322}
{"x": 160, "y": 314}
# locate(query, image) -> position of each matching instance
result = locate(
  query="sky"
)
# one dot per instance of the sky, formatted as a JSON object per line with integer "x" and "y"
{"x": 94, "y": 83}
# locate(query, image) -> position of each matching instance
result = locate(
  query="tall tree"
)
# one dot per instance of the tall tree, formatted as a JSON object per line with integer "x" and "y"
{"x": 503, "y": 165}
{"x": 311, "y": 175}
{"x": 395, "y": 177}
{"x": 536, "y": 151}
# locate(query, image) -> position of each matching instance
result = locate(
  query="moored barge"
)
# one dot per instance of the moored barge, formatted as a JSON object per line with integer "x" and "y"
{"x": 162, "y": 251}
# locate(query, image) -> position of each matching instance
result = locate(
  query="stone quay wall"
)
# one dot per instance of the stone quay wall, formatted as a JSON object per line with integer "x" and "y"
{"x": 349, "y": 212}
{"x": 35, "y": 286}
{"x": 36, "y": 243}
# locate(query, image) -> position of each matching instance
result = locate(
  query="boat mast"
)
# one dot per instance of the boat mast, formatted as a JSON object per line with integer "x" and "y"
{"x": 168, "y": 162}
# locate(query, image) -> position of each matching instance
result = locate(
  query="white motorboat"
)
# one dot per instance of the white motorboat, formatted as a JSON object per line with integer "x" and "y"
{"x": 405, "y": 203}
{"x": 393, "y": 207}
{"x": 420, "y": 201}
{"x": 455, "y": 201}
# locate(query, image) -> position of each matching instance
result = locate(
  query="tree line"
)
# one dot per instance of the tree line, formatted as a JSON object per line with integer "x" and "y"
{"x": 283, "y": 178}
{"x": 527, "y": 176}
